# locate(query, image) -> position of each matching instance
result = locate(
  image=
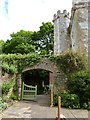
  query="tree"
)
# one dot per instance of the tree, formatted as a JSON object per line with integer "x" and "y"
{"x": 26, "y": 35}
{"x": 18, "y": 44}
{"x": 2, "y": 42}
{"x": 28, "y": 41}
{"x": 45, "y": 37}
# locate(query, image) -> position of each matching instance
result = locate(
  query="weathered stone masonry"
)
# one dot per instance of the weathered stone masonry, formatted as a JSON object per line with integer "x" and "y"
{"x": 79, "y": 29}
{"x": 61, "y": 23}
{"x": 73, "y": 33}
{"x": 56, "y": 80}
{"x": 89, "y": 35}
{"x": 68, "y": 34}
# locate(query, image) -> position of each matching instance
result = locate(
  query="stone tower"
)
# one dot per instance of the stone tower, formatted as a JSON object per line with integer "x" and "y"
{"x": 61, "y": 23}
{"x": 80, "y": 27}
{"x": 79, "y": 1}
{"x": 79, "y": 23}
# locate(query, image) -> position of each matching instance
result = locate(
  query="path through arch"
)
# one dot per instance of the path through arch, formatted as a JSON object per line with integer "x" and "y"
{"x": 54, "y": 76}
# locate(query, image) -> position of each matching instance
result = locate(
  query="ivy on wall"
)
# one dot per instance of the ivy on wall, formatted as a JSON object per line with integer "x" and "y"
{"x": 17, "y": 62}
{"x": 68, "y": 62}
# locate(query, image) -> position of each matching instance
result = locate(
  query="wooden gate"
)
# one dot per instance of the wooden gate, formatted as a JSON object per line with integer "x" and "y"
{"x": 29, "y": 92}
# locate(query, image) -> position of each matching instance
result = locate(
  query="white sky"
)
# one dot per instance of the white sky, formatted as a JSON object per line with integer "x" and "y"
{"x": 28, "y": 14}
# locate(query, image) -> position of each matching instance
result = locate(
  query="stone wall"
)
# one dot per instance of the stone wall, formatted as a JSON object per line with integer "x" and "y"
{"x": 79, "y": 29}
{"x": 46, "y": 64}
{"x": 6, "y": 78}
{"x": 79, "y": 1}
{"x": 56, "y": 79}
{"x": 89, "y": 35}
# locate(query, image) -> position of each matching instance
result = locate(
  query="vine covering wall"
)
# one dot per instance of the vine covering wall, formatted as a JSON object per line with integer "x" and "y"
{"x": 61, "y": 65}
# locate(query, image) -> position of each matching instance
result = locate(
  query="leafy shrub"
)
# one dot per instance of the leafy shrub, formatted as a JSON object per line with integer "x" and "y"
{"x": 12, "y": 69}
{"x": 70, "y": 100}
{"x": 5, "y": 67}
{"x": 88, "y": 107}
{"x": 79, "y": 83}
{"x": 67, "y": 100}
{"x": 13, "y": 63}
{"x": 6, "y": 87}
{"x": 13, "y": 97}
{"x": 8, "y": 68}
{"x": 3, "y": 105}
{"x": 55, "y": 100}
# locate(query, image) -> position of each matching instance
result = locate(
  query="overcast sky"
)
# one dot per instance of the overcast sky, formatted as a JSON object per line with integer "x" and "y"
{"x": 28, "y": 14}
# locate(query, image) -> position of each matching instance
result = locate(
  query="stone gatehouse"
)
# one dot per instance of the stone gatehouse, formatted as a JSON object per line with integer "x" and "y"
{"x": 56, "y": 79}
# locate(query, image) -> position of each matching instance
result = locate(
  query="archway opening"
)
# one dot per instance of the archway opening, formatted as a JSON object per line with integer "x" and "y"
{"x": 37, "y": 77}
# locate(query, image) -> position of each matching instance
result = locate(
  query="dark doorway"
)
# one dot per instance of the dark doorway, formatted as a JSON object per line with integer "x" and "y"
{"x": 37, "y": 77}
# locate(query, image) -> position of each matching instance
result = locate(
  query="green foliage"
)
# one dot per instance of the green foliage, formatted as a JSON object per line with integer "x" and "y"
{"x": 8, "y": 68}
{"x": 3, "y": 105}
{"x": 5, "y": 67}
{"x": 12, "y": 69}
{"x": 2, "y": 42}
{"x": 70, "y": 62}
{"x": 26, "y": 35}
{"x": 17, "y": 62}
{"x": 25, "y": 48}
{"x": 6, "y": 87}
{"x": 46, "y": 38}
{"x": 25, "y": 42}
{"x": 67, "y": 100}
{"x": 13, "y": 97}
{"x": 79, "y": 83}
{"x": 18, "y": 45}
{"x": 74, "y": 66}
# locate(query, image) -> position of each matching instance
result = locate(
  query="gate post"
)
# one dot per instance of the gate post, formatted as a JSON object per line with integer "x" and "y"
{"x": 51, "y": 87}
{"x": 19, "y": 85}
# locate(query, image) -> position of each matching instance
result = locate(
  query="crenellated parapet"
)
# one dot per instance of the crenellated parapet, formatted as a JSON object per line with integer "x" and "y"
{"x": 60, "y": 14}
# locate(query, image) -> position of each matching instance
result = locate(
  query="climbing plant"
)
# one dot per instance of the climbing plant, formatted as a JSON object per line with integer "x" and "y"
{"x": 74, "y": 66}
{"x": 70, "y": 62}
{"x": 16, "y": 62}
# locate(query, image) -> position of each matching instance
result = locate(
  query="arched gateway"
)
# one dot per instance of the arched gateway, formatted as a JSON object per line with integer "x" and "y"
{"x": 56, "y": 81}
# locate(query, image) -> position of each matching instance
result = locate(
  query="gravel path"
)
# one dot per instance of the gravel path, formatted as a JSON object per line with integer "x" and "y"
{"x": 40, "y": 109}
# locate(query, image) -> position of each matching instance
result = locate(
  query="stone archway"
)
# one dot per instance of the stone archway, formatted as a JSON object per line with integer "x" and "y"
{"x": 54, "y": 74}
{"x": 39, "y": 78}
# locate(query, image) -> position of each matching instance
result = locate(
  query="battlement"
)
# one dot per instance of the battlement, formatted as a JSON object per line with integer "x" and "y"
{"x": 76, "y": 2}
{"x": 59, "y": 14}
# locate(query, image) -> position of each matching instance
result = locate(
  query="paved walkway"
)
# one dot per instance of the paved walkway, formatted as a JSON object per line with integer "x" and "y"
{"x": 40, "y": 109}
